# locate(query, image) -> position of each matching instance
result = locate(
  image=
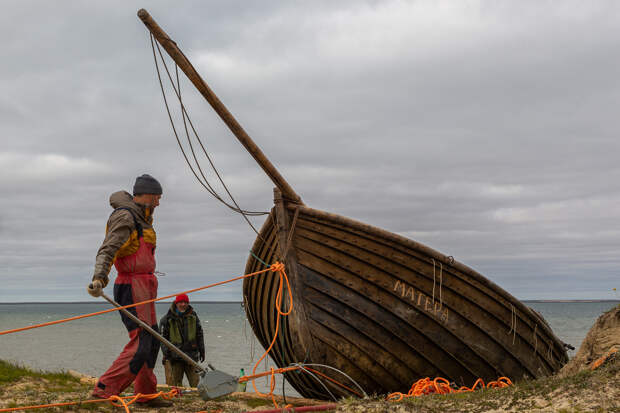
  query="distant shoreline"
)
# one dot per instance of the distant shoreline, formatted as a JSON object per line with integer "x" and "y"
{"x": 241, "y": 302}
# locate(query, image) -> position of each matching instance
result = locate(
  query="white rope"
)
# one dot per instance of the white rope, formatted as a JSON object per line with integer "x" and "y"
{"x": 513, "y": 323}
{"x": 433, "y": 281}
{"x": 335, "y": 369}
{"x": 440, "y": 285}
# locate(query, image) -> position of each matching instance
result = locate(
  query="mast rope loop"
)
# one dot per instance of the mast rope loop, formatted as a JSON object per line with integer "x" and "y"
{"x": 513, "y": 323}
{"x": 440, "y": 283}
{"x": 433, "y": 280}
{"x": 186, "y": 119}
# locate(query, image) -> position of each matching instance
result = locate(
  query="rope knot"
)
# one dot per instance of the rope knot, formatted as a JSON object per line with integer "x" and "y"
{"x": 276, "y": 267}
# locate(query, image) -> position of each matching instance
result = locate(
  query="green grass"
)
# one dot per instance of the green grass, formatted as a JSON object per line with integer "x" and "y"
{"x": 252, "y": 403}
{"x": 59, "y": 381}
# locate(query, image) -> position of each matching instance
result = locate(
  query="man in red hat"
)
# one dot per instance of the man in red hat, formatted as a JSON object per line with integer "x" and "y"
{"x": 181, "y": 326}
{"x": 129, "y": 245}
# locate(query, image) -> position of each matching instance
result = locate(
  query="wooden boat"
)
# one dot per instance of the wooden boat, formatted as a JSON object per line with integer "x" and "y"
{"x": 384, "y": 309}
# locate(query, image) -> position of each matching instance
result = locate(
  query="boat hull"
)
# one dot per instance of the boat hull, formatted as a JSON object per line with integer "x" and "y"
{"x": 386, "y": 310}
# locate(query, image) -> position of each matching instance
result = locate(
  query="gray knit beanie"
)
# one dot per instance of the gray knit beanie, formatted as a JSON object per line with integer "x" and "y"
{"x": 146, "y": 184}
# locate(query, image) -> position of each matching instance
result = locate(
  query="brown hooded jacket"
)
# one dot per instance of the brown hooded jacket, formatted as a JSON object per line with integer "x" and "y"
{"x": 121, "y": 237}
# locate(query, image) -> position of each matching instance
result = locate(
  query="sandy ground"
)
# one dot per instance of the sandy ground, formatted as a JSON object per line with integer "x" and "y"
{"x": 586, "y": 391}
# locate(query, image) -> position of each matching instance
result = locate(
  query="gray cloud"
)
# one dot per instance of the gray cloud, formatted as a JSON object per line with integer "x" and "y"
{"x": 487, "y": 130}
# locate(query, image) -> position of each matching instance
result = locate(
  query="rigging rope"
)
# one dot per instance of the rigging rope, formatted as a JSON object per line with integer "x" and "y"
{"x": 185, "y": 115}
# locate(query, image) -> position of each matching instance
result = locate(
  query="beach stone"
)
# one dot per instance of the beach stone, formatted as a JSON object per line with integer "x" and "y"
{"x": 601, "y": 340}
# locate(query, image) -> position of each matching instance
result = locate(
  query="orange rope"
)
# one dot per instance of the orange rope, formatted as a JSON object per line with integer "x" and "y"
{"x": 278, "y": 304}
{"x": 16, "y": 330}
{"x": 442, "y": 386}
{"x": 281, "y": 270}
{"x": 267, "y": 373}
{"x": 599, "y": 362}
{"x": 120, "y": 401}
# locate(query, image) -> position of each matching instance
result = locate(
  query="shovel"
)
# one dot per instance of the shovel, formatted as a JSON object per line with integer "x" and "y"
{"x": 212, "y": 384}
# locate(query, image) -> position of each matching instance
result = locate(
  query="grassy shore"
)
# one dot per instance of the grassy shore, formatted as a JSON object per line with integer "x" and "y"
{"x": 586, "y": 391}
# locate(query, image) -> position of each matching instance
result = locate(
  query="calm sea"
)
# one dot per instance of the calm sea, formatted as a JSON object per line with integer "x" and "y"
{"x": 90, "y": 345}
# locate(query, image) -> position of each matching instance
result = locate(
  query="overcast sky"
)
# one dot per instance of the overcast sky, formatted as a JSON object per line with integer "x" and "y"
{"x": 486, "y": 130}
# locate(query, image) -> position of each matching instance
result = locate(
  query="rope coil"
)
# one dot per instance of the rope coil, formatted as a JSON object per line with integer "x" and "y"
{"x": 439, "y": 385}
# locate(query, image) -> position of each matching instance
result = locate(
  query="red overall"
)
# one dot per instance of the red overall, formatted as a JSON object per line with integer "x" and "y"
{"x": 135, "y": 282}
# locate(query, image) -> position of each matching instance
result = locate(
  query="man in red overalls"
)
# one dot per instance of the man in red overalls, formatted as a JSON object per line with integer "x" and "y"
{"x": 129, "y": 244}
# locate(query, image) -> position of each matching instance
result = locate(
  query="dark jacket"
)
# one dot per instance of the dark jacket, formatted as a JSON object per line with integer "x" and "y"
{"x": 184, "y": 331}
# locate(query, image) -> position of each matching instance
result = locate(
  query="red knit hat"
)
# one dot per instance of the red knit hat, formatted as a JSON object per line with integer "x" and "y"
{"x": 181, "y": 298}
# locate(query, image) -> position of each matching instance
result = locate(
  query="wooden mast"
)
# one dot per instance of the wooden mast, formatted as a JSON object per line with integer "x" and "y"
{"x": 186, "y": 66}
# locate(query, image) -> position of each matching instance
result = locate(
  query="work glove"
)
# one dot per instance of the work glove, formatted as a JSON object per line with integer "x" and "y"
{"x": 95, "y": 288}
{"x": 202, "y": 357}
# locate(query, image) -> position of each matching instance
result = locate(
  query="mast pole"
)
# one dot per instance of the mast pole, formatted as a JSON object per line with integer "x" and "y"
{"x": 186, "y": 66}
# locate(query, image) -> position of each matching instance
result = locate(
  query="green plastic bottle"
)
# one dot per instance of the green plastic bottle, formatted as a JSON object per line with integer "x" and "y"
{"x": 241, "y": 386}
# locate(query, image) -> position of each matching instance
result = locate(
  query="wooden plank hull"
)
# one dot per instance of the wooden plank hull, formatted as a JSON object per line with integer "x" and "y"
{"x": 387, "y": 310}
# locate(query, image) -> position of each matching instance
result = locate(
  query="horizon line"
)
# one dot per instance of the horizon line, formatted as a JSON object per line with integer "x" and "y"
{"x": 542, "y": 300}
{"x": 102, "y": 302}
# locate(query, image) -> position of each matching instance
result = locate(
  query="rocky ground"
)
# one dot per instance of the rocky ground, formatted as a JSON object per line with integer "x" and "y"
{"x": 577, "y": 388}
